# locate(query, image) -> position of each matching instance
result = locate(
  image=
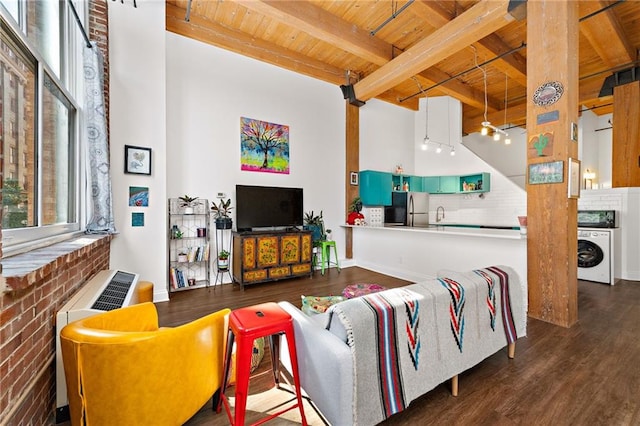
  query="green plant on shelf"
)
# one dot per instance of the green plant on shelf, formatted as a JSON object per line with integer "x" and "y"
{"x": 222, "y": 209}
{"x": 188, "y": 201}
{"x": 223, "y": 255}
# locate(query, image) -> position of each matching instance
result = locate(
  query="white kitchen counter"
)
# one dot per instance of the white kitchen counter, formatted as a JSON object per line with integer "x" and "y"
{"x": 450, "y": 230}
{"x": 416, "y": 254}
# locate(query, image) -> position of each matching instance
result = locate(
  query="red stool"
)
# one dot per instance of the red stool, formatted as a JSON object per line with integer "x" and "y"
{"x": 246, "y": 325}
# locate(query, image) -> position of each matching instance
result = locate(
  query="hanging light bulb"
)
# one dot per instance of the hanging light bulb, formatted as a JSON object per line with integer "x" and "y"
{"x": 453, "y": 151}
{"x": 507, "y": 140}
{"x": 496, "y": 136}
{"x": 484, "y": 131}
{"x": 425, "y": 144}
{"x": 439, "y": 149}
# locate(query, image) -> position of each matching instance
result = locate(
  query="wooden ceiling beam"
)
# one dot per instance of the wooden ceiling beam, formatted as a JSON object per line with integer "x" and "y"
{"x": 226, "y": 38}
{"x": 479, "y": 21}
{"x": 322, "y": 25}
{"x": 459, "y": 90}
{"x": 605, "y": 34}
{"x": 514, "y": 65}
{"x": 325, "y": 26}
{"x": 212, "y": 33}
{"x": 472, "y": 120}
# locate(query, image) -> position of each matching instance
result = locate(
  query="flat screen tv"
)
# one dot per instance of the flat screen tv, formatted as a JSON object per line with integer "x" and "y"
{"x": 268, "y": 207}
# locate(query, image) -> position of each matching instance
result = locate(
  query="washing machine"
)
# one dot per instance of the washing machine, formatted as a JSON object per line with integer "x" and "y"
{"x": 595, "y": 255}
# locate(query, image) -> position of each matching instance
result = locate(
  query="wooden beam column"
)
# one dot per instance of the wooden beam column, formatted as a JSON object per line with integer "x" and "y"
{"x": 626, "y": 136}
{"x": 552, "y": 58}
{"x": 352, "y": 164}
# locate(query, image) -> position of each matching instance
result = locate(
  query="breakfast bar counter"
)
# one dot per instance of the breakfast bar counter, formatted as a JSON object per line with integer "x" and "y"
{"x": 418, "y": 253}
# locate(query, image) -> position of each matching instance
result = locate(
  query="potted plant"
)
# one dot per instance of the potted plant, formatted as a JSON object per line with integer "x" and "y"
{"x": 315, "y": 224}
{"x": 188, "y": 203}
{"x": 223, "y": 259}
{"x": 222, "y": 213}
{"x": 355, "y": 217}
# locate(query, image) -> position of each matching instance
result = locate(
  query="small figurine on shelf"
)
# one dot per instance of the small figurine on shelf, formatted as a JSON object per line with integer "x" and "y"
{"x": 188, "y": 203}
{"x": 222, "y": 213}
{"x": 176, "y": 233}
{"x": 223, "y": 260}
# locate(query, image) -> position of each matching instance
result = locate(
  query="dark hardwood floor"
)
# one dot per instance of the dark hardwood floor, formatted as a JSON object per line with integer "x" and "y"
{"x": 588, "y": 374}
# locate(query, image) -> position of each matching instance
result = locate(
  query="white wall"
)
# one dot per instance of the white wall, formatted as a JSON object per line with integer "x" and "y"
{"x": 137, "y": 117}
{"x": 386, "y": 137}
{"x": 209, "y": 89}
{"x": 506, "y": 200}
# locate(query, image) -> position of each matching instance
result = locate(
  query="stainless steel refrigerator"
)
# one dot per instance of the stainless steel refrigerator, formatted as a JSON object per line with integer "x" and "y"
{"x": 408, "y": 208}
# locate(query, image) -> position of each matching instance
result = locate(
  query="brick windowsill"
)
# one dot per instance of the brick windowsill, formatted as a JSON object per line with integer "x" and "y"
{"x": 24, "y": 270}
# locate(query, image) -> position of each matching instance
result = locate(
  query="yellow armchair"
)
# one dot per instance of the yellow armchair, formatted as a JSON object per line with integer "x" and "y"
{"x": 122, "y": 369}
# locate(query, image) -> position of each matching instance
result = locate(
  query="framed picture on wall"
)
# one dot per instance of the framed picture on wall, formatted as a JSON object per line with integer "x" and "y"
{"x": 354, "y": 178}
{"x": 574, "y": 178}
{"x": 137, "y": 160}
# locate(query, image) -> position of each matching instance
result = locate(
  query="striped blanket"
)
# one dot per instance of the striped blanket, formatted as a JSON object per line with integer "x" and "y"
{"x": 408, "y": 340}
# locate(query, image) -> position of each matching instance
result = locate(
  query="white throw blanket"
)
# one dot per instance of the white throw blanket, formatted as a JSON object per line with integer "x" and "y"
{"x": 408, "y": 340}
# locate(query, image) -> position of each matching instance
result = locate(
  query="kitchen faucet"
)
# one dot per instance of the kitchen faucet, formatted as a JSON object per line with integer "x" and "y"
{"x": 438, "y": 218}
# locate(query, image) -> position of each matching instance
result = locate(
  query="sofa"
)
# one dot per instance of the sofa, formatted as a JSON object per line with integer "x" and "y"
{"x": 121, "y": 368}
{"x": 367, "y": 358}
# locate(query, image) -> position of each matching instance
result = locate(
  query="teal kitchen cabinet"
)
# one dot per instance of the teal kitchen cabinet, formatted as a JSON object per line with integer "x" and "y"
{"x": 479, "y": 182}
{"x": 416, "y": 183}
{"x": 440, "y": 184}
{"x": 431, "y": 184}
{"x": 449, "y": 184}
{"x": 375, "y": 188}
{"x": 413, "y": 183}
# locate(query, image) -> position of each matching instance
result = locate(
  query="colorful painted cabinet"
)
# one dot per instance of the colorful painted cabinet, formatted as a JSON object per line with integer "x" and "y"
{"x": 270, "y": 256}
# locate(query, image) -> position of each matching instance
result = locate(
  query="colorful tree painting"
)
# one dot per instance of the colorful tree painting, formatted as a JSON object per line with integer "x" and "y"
{"x": 264, "y": 146}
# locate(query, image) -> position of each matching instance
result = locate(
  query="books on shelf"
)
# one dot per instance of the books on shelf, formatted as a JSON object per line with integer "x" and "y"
{"x": 197, "y": 254}
{"x": 178, "y": 279}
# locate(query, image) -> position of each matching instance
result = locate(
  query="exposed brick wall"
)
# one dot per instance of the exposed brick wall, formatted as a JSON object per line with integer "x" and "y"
{"x": 99, "y": 32}
{"x": 27, "y": 332}
{"x": 27, "y": 315}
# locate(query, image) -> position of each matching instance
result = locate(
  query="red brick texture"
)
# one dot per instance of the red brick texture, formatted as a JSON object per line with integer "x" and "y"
{"x": 27, "y": 333}
{"x": 28, "y": 309}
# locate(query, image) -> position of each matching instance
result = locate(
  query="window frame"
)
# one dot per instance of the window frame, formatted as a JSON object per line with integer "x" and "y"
{"x": 20, "y": 240}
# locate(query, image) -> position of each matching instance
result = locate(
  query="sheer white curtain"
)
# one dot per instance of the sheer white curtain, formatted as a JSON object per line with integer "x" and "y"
{"x": 100, "y": 215}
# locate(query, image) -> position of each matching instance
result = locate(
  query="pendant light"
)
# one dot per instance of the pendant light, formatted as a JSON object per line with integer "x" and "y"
{"x": 486, "y": 124}
{"x": 425, "y": 142}
{"x": 507, "y": 140}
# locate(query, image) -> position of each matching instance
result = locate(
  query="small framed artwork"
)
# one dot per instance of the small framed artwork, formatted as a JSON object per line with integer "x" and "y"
{"x": 137, "y": 219}
{"x": 551, "y": 172}
{"x": 138, "y": 196}
{"x": 354, "y": 178}
{"x": 137, "y": 160}
{"x": 574, "y": 178}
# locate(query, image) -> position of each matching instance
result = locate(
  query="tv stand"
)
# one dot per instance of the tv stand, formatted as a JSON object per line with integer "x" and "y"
{"x": 263, "y": 256}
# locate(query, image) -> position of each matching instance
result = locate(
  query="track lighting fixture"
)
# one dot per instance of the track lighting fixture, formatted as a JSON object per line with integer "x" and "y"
{"x": 453, "y": 151}
{"x": 439, "y": 149}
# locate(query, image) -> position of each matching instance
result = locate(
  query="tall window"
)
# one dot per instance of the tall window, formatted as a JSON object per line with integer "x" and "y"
{"x": 38, "y": 119}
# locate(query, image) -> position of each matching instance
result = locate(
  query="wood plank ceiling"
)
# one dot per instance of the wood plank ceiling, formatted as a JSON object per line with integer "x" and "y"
{"x": 399, "y": 51}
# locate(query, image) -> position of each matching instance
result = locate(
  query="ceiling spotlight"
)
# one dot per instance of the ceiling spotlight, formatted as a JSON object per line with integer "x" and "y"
{"x": 425, "y": 145}
{"x": 496, "y": 136}
{"x": 484, "y": 131}
{"x": 507, "y": 140}
{"x": 439, "y": 149}
{"x": 453, "y": 151}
